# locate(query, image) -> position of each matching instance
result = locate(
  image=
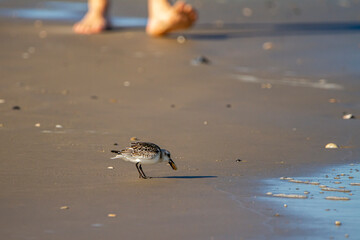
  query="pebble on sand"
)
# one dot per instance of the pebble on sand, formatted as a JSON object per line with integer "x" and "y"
{"x": 268, "y": 45}
{"x": 43, "y": 34}
{"x": 126, "y": 84}
{"x": 331, "y": 145}
{"x": 111, "y": 215}
{"x": 181, "y": 39}
{"x": 31, "y": 50}
{"x": 37, "y": 124}
{"x": 64, "y": 207}
{"x": 337, "y": 198}
{"x": 134, "y": 139}
{"x": 2, "y": 101}
{"x": 16, "y": 108}
{"x": 332, "y": 100}
{"x": 65, "y": 92}
{"x": 247, "y": 12}
{"x": 110, "y": 167}
{"x": 199, "y": 60}
{"x": 337, "y": 223}
{"x": 205, "y": 123}
{"x": 58, "y": 126}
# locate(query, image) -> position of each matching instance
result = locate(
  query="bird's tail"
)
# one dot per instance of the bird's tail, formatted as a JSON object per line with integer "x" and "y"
{"x": 117, "y": 156}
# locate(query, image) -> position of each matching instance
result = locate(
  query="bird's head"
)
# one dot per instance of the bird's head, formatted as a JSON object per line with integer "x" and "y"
{"x": 165, "y": 155}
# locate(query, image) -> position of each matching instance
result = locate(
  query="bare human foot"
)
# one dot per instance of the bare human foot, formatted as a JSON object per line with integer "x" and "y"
{"x": 95, "y": 20}
{"x": 164, "y": 18}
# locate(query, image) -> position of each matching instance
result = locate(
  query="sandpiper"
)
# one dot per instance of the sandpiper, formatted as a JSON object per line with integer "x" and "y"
{"x": 144, "y": 153}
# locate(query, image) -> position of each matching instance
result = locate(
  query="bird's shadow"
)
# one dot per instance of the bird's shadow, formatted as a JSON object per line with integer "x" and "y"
{"x": 186, "y": 177}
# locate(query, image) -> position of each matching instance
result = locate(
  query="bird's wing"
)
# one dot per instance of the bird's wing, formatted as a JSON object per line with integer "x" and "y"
{"x": 143, "y": 150}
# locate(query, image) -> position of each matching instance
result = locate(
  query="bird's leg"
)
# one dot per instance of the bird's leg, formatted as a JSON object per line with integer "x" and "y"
{"x": 137, "y": 167}
{"x": 143, "y": 174}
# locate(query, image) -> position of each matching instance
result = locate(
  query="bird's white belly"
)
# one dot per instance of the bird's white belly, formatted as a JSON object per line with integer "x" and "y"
{"x": 143, "y": 160}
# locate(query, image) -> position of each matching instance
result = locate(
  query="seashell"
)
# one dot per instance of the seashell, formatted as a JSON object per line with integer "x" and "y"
{"x": 331, "y": 145}
{"x": 337, "y": 223}
{"x": 348, "y": 116}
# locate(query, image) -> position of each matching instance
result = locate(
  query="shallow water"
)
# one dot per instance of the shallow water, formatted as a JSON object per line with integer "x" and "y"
{"x": 317, "y": 213}
{"x": 66, "y": 12}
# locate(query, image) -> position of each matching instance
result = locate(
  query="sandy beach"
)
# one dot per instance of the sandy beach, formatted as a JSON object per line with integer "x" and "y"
{"x": 271, "y": 97}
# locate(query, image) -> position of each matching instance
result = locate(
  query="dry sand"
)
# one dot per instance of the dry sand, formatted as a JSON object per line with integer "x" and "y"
{"x": 107, "y": 88}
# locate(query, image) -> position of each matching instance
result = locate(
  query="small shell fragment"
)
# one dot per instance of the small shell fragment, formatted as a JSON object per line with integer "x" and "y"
{"x": 331, "y": 145}
{"x": 2, "y": 101}
{"x": 337, "y": 223}
{"x": 337, "y": 198}
{"x": 348, "y": 116}
{"x": 64, "y": 207}
{"x": 181, "y": 39}
{"x": 267, "y": 45}
{"x": 269, "y": 193}
{"x": 133, "y": 139}
{"x": 247, "y": 12}
{"x": 111, "y": 215}
{"x": 58, "y": 126}
{"x": 110, "y": 167}
{"x": 37, "y": 124}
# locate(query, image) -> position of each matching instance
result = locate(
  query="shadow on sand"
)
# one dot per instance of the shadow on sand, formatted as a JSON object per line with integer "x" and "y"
{"x": 187, "y": 177}
{"x": 246, "y": 30}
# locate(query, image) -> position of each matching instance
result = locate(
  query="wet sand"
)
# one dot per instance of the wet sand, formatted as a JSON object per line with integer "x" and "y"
{"x": 263, "y": 99}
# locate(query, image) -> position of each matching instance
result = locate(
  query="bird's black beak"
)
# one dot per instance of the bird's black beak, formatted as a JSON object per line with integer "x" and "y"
{"x": 172, "y": 164}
